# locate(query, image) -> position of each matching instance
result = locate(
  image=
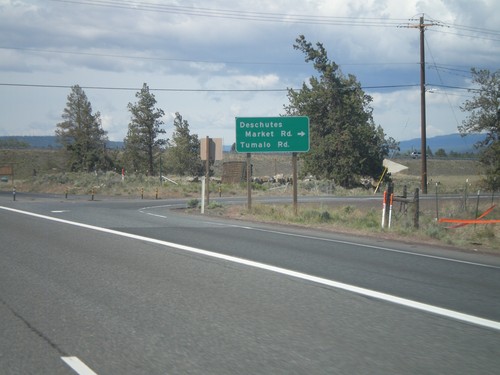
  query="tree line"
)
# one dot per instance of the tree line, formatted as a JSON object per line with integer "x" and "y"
{"x": 82, "y": 135}
{"x": 345, "y": 143}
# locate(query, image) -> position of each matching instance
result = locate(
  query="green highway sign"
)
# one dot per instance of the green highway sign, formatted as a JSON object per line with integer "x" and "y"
{"x": 272, "y": 134}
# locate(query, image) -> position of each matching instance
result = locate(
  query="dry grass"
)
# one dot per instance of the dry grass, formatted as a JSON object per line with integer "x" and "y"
{"x": 462, "y": 177}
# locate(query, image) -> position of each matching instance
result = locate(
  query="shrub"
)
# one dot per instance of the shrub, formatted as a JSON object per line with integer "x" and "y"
{"x": 214, "y": 204}
{"x": 193, "y": 203}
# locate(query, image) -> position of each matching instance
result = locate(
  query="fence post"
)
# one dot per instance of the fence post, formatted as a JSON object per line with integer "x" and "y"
{"x": 466, "y": 194}
{"x": 477, "y": 206}
{"x": 437, "y": 202}
{"x": 417, "y": 208}
{"x": 404, "y": 205}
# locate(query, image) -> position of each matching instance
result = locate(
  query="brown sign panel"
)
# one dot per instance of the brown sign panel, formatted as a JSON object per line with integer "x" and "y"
{"x": 6, "y": 170}
{"x": 215, "y": 148}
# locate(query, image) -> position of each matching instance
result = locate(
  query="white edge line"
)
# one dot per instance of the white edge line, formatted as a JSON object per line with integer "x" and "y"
{"x": 319, "y": 280}
{"x": 359, "y": 244}
{"x": 77, "y": 365}
{"x": 340, "y": 241}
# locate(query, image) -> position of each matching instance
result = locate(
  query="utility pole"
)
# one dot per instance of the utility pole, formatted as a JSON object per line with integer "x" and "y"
{"x": 423, "y": 125}
{"x": 423, "y": 121}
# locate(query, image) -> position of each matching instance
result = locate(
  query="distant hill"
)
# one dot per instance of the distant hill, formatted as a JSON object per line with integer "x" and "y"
{"x": 45, "y": 141}
{"x": 451, "y": 142}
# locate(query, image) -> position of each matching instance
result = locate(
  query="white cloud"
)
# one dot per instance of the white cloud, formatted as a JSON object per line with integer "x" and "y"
{"x": 66, "y": 43}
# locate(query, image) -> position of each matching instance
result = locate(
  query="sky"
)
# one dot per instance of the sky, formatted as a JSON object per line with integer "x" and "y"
{"x": 214, "y": 60}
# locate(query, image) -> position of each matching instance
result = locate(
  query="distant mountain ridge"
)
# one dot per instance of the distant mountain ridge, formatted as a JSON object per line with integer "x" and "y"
{"x": 450, "y": 142}
{"x": 47, "y": 141}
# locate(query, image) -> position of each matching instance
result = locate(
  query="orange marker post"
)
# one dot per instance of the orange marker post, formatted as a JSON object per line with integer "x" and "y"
{"x": 383, "y": 209}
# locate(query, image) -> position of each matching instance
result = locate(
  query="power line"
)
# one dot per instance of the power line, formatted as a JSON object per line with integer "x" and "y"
{"x": 444, "y": 67}
{"x": 441, "y": 80}
{"x": 276, "y": 17}
{"x": 149, "y": 58}
{"x": 467, "y": 35}
{"x": 142, "y": 57}
{"x": 33, "y": 85}
{"x": 135, "y": 88}
{"x": 237, "y": 14}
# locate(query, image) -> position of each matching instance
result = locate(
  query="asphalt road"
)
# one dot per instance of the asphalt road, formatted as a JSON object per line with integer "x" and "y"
{"x": 135, "y": 287}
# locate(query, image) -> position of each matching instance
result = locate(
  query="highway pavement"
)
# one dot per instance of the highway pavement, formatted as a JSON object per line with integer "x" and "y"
{"x": 138, "y": 287}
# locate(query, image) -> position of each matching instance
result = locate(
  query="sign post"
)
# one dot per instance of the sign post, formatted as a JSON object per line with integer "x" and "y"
{"x": 210, "y": 150}
{"x": 272, "y": 134}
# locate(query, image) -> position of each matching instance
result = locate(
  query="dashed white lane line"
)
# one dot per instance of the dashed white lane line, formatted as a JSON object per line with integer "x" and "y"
{"x": 78, "y": 366}
{"x": 156, "y": 215}
{"x": 283, "y": 271}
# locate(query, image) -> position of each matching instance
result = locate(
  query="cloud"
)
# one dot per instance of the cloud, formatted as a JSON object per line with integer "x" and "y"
{"x": 228, "y": 45}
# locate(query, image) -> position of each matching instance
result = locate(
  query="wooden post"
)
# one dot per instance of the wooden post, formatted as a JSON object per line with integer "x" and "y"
{"x": 249, "y": 180}
{"x": 207, "y": 171}
{"x": 294, "y": 182}
{"x": 403, "y": 206}
{"x": 437, "y": 201}
{"x": 417, "y": 208}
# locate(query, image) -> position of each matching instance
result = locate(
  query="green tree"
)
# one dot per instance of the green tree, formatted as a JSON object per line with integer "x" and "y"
{"x": 484, "y": 117}
{"x": 345, "y": 143}
{"x": 440, "y": 153}
{"x": 183, "y": 156}
{"x": 429, "y": 152}
{"x": 13, "y": 143}
{"x": 81, "y": 133}
{"x": 392, "y": 146}
{"x": 142, "y": 140}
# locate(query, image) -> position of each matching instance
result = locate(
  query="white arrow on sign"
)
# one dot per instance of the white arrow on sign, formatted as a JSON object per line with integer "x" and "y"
{"x": 301, "y": 134}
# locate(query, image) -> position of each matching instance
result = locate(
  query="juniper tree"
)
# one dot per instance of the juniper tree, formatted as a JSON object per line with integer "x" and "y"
{"x": 345, "y": 143}
{"x": 81, "y": 133}
{"x": 144, "y": 129}
{"x": 183, "y": 157}
{"x": 484, "y": 117}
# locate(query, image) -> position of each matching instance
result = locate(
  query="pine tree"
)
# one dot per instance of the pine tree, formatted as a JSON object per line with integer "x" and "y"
{"x": 184, "y": 155}
{"x": 144, "y": 129}
{"x": 81, "y": 133}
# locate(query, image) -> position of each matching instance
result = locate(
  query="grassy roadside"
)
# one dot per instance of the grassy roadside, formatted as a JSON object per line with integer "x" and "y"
{"x": 366, "y": 221}
{"x": 42, "y": 171}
